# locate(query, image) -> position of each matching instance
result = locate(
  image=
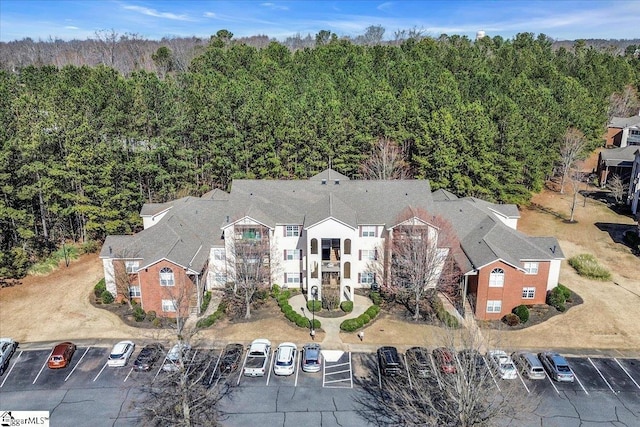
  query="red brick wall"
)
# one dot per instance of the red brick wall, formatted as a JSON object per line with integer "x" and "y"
{"x": 511, "y": 293}
{"x": 153, "y": 293}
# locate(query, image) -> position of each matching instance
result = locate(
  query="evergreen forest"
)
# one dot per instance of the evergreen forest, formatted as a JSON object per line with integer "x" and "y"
{"x": 84, "y": 147}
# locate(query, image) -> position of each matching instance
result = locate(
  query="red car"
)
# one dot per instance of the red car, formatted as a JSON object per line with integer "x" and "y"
{"x": 61, "y": 355}
{"x": 445, "y": 360}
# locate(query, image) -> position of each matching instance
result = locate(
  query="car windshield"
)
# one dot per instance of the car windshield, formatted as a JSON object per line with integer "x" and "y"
{"x": 56, "y": 358}
{"x": 285, "y": 363}
{"x": 506, "y": 366}
{"x": 563, "y": 368}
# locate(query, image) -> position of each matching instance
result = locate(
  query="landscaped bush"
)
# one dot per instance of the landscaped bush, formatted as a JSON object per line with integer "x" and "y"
{"x": 275, "y": 290}
{"x": 316, "y": 324}
{"x": 522, "y": 311}
{"x": 587, "y": 265}
{"x": 151, "y": 315}
{"x": 213, "y": 317}
{"x": 373, "y": 311}
{"x": 350, "y": 325}
{"x": 375, "y": 297}
{"x": 555, "y": 298}
{"x": 346, "y": 306}
{"x": 100, "y": 288}
{"x": 205, "y": 301}
{"x": 447, "y": 318}
{"x": 365, "y": 318}
{"x": 138, "y": 313}
{"x": 314, "y": 305}
{"x": 106, "y": 296}
{"x": 565, "y": 291}
{"x": 511, "y": 319}
{"x": 89, "y": 247}
{"x": 156, "y": 322}
{"x": 302, "y": 321}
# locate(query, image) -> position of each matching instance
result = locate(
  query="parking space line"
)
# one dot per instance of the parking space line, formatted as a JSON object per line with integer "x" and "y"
{"x": 552, "y": 384}
{"x": 191, "y": 361}
{"x": 297, "y": 368}
{"x": 522, "y": 380}
{"x": 215, "y": 369}
{"x": 379, "y": 373}
{"x": 579, "y": 382}
{"x": 127, "y": 377}
{"x": 623, "y": 368}
{"x": 159, "y": 368}
{"x": 435, "y": 371}
{"x": 105, "y": 365}
{"x": 11, "y": 369}
{"x": 43, "y": 365}
{"x": 601, "y": 376}
{"x": 273, "y": 358}
{"x": 406, "y": 365}
{"x": 246, "y": 356}
{"x": 74, "y": 368}
{"x": 486, "y": 363}
{"x": 351, "y": 370}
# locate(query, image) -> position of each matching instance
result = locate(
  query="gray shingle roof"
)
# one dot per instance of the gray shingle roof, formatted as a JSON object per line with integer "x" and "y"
{"x": 619, "y": 156}
{"x": 624, "y": 122}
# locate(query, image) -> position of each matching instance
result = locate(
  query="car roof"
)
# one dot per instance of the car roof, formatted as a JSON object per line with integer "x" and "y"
{"x": 122, "y": 345}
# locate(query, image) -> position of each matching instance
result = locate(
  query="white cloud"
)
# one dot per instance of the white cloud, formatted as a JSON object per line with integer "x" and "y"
{"x": 210, "y": 15}
{"x": 156, "y": 14}
{"x": 385, "y": 6}
{"x": 71, "y": 27}
{"x": 274, "y": 6}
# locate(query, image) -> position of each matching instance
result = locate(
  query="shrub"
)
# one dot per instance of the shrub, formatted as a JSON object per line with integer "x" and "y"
{"x": 373, "y": 311}
{"x": 275, "y": 290}
{"x": 522, "y": 311}
{"x": 511, "y": 319}
{"x": 330, "y": 299}
{"x": 587, "y": 265}
{"x": 302, "y": 321}
{"x": 156, "y": 322}
{"x": 139, "y": 314}
{"x": 555, "y": 298}
{"x": 375, "y": 297}
{"x": 316, "y": 324}
{"x": 565, "y": 291}
{"x": 106, "y": 296}
{"x": 282, "y": 300}
{"x": 349, "y": 325}
{"x": 212, "y": 318}
{"x": 100, "y": 288}
{"x": 314, "y": 305}
{"x": 151, "y": 315}
{"x": 261, "y": 294}
{"x": 346, "y": 306}
{"x": 205, "y": 301}
{"x": 89, "y": 247}
{"x": 447, "y": 318}
{"x": 365, "y": 318}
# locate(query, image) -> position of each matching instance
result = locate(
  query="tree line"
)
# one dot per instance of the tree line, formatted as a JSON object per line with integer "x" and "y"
{"x": 84, "y": 147}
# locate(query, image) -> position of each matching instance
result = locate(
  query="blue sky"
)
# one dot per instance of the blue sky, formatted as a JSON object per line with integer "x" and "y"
{"x": 80, "y": 19}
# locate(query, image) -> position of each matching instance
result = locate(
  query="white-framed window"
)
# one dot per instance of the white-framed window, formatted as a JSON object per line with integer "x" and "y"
{"x": 528, "y": 292}
{"x": 166, "y": 277}
{"x": 169, "y": 305}
{"x": 530, "y": 268}
{"x": 219, "y": 255}
{"x": 368, "y": 230}
{"x": 494, "y": 306}
{"x": 292, "y": 231}
{"x": 496, "y": 278}
{"x": 368, "y": 254}
{"x": 131, "y": 266}
{"x": 292, "y": 278}
{"x": 292, "y": 254}
{"x": 368, "y": 277}
{"x": 134, "y": 292}
{"x": 220, "y": 278}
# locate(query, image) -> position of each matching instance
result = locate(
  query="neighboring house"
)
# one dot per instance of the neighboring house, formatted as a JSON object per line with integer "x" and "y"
{"x": 623, "y": 131}
{"x": 323, "y": 233}
{"x": 618, "y": 161}
{"x": 634, "y": 184}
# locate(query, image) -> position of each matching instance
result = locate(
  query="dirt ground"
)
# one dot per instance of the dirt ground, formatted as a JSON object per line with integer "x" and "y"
{"x": 56, "y": 307}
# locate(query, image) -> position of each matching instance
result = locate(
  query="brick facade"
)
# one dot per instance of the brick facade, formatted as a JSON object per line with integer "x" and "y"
{"x": 153, "y": 293}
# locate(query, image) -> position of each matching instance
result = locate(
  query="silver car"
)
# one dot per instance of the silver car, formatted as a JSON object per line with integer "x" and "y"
{"x": 311, "y": 358}
{"x": 7, "y": 348}
{"x": 557, "y": 366}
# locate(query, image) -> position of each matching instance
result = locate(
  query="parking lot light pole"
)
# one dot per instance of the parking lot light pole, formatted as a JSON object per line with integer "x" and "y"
{"x": 314, "y": 294}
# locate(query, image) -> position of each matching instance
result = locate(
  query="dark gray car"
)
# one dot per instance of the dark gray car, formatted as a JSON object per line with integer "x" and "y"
{"x": 311, "y": 358}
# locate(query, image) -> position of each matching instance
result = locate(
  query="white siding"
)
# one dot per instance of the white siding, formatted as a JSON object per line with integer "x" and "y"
{"x": 109, "y": 276}
{"x": 554, "y": 274}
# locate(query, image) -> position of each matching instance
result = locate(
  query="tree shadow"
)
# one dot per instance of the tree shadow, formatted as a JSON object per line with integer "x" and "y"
{"x": 616, "y": 231}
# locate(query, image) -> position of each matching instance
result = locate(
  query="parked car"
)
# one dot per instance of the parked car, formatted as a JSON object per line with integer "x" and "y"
{"x": 285, "y": 363}
{"x": 230, "y": 358}
{"x": 178, "y": 352}
{"x": 445, "y": 360}
{"x": 120, "y": 353}
{"x": 389, "y": 360}
{"x": 311, "y": 357}
{"x": 61, "y": 355}
{"x": 503, "y": 364}
{"x": 7, "y": 348}
{"x": 472, "y": 362}
{"x": 257, "y": 358}
{"x": 148, "y": 356}
{"x": 419, "y": 361}
{"x": 557, "y": 366}
{"x": 529, "y": 365}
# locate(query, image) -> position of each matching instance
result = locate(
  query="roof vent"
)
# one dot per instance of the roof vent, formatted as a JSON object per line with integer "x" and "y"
{"x": 336, "y": 182}
{"x": 227, "y": 218}
{"x": 324, "y": 182}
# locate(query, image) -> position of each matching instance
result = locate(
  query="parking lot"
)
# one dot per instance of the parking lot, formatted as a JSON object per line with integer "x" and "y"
{"x": 27, "y": 378}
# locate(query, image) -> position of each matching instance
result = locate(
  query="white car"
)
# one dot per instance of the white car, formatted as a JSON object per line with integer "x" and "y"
{"x": 503, "y": 364}
{"x": 177, "y": 352}
{"x": 285, "y": 359}
{"x": 120, "y": 353}
{"x": 7, "y": 348}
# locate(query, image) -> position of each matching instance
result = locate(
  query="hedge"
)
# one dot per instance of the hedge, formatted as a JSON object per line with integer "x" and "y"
{"x": 214, "y": 317}
{"x": 314, "y": 305}
{"x": 351, "y": 325}
{"x": 346, "y": 306}
{"x": 556, "y": 298}
{"x": 205, "y": 301}
{"x": 587, "y": 265}
{"x": 522, "y": 311}
{"x": 107, "y": 297}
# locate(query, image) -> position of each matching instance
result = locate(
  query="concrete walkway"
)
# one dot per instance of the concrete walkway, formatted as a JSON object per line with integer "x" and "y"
{"x": 331, "y": 326}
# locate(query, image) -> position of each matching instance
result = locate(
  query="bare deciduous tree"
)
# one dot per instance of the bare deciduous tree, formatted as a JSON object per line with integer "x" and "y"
{"x": 387, "y": 161}
{"x": 624, "y": 104}
{"x": 576, "y": 178}
{"x": 617, "y": 187}
{"x": 572, "y": 148}
{"x": 419, "y": 258}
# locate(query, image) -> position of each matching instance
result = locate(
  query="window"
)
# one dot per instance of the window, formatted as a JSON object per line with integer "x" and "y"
{"x": 367, "y": 277}
{"x": 220, "y": 278}
{"x": 168, "y": 305}
{"x": 292, "y": 231}
{"x": 347, "y": 270}
{"x": 369, "y": 255}
{"x": 496, "y": 278}
{"x": 528, "y": 292}
{"x": 134, "y": 291}
{"x": 219, "y": 255}
{"x": 293, "y": 278}
{"x": 530, "y": 268}
{"x": 314, "y": 246}
{"x": 131, "y": 266}
{"x": 251, "y": 233}
{"x": 494, "y": 306}
{"x": 166, "y": 277}
{"x": 292, "y": 254}
{"x": 368, "y": 231}
{"x": 347, "y": 247}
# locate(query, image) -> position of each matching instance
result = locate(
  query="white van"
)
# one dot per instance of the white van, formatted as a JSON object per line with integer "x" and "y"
{"x": 529, "y": 365}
